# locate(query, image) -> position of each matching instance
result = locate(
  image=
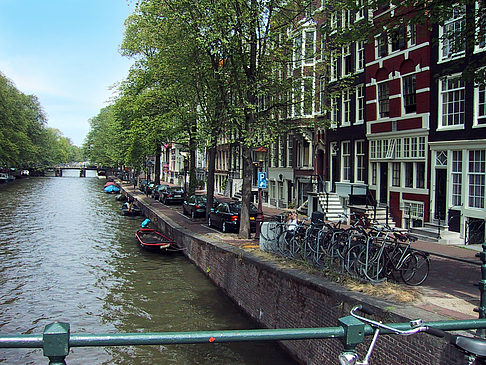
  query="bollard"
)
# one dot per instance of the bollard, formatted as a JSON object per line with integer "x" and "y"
{"x": 56, "y": 342}
{"x": 482, "y": 290}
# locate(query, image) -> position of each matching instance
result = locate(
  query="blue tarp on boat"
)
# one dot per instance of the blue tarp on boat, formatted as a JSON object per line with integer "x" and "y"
{"x": 112, "y": 189}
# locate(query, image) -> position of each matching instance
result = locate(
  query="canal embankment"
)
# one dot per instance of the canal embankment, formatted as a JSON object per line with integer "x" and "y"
{"x": 277, "y": 295}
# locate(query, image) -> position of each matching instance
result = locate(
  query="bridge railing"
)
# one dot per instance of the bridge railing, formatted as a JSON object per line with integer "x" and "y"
{"x": 56, "y": 339}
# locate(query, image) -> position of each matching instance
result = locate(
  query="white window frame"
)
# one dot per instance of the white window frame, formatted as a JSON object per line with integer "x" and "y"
{"x": 379, "y": 103}
{"x": 346, "y": 108}
{"x": 359, "y": 104}
{"x": 359, "y": 152}
{"x": 306, "y": 49}
{"x": 308, "y": 81}
{"x": 480, "y": 43}
{"x": 480, "y": 106}
{"x": 456, "y": 174}
{"x": 297, "y": 51}
{"x": 360, "y": 56}
{"x": 404, "y": 109}
{"x": 443, "y": 106}
{"x": 453, "y": 25}
{"x": 476, "y": 179}
{"x": 346, "y": 160}
{"x": 346, "y": 53}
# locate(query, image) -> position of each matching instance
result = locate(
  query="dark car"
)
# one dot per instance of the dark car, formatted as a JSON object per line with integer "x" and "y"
{"x": 149, "y": 188}
{"x": 173, "y": 194}
{"x": 157, "y": 190}
{"x": 226, "y": 216}
{"x": 142, "y": 185}
{"x": 195, "y": 205}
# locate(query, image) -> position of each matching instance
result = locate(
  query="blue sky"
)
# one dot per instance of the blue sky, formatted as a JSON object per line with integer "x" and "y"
{"x": 66, "y": 53}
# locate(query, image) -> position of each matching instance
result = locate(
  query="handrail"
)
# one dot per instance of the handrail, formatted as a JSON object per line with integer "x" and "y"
{"x": 56, "y": 339}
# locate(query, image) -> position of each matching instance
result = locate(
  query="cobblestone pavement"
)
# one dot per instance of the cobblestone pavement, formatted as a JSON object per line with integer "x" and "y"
{"x": 449, "y": 290}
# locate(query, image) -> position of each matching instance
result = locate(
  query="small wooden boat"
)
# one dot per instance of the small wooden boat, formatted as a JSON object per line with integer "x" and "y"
{"x": 130, "y": 212}
{"x": 150, "y": 239}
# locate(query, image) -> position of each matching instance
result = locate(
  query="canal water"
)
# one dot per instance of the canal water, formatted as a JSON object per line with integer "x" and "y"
{"x": 67, "y": 254}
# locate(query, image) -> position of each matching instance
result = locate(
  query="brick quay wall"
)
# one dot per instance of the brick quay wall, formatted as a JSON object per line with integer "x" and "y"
{"x": 278, "y": 297}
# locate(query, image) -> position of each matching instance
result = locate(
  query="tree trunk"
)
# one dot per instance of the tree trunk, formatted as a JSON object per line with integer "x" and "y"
{"x": 192, "y": 160}
{"x": 246, "y": 193}
{"x": 157, "y": 165}
{"x": 211, "y": 169}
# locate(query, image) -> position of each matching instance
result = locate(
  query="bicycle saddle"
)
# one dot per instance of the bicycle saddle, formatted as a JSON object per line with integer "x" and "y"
{"x": 475, "y": 346}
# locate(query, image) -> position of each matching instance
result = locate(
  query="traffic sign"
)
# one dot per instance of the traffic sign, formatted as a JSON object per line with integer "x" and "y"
{"x": 262, "y": 180}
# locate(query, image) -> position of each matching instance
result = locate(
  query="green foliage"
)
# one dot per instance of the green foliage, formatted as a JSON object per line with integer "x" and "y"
{"x": 25, "y": 141}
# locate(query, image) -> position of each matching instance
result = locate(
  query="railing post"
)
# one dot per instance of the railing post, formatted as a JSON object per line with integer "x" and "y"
{"x": 56, "y": 342}
{"x": 482, "y": 290}
{"x": 353, "y": 333}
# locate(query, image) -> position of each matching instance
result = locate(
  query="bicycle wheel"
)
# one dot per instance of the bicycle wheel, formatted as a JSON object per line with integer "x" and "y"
{"x": 372, "y": 264}
{"x": 352, "y": 263}
{"x": 415, "y": 268}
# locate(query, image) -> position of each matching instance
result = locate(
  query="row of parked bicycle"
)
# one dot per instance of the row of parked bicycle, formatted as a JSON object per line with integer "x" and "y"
{"x": 366, "y": 250}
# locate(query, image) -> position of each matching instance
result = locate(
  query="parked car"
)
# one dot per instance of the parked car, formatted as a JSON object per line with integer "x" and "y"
{"x": 149, "y": 188}
{"x": 226, "y": 216}
{"x": 173, "y": 194}
{"x": 195, "y": 205}
{"x": 157, "y": 190}
{"x": 142, "y": 185}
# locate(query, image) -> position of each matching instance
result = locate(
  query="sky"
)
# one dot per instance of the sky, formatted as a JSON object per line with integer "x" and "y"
{"x": 66, "y": 52}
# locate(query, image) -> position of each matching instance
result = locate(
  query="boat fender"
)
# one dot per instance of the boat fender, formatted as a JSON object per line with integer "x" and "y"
{"x": 145, "y": 223}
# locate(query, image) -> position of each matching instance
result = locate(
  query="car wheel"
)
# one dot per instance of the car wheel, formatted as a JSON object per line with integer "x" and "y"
{"x": 224, "y": 228}
{"x": 209, "y": 222}
{"x": 193, "y": 214}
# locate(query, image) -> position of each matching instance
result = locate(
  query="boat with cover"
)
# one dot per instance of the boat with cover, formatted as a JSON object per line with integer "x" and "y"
{"x": 151, "y": 239}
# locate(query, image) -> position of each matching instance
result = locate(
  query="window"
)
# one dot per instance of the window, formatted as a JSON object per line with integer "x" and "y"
{"x": 322, "y": 94}
{"x": 360, "y": 104}
{"x": 409, "y": 174}
{"x": 398, "y": 38}
{"x": 412, "y": 35}
{"x": 346, "y": 98}
{"x": 309, "y": 46}
{"x": 360, "y": 59}
{"x": 480, "y": 92}
{"x": 346, "y": 19}
{"x": 457, "y": 178}
{"x": 409, "y": 89}
{"x": 361, "y": 10}
{"x": 382, "y": 45}
{"x": 480, "y": 25}
{"x": 396, "y": 173}
{"x": 290, "y": 150}
{"x": 420, "y": 176}
{"x": 383, "y": 100}
{"x": 413, "y": 213}
{"x": 374, "y": 167}
{"x": 334, "y": 21}
{"x": 452, "y": 102}
{"x": 451, "y": 34}
{"x": 347, "y": 64}
{"x": 346, "y": 157}
{"x": 334, "y": 65}
{"x": 335, "y": 109}
{"x": 298, "y": 51}
{"x": 308, "y": 95}
{"x": 477, "y": 176}
{"x": 360, "y": 160}
{"x": 298, "y": 97}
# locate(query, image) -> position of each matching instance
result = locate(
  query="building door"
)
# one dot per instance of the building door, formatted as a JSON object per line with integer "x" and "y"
{"x": 440, "y": 193}
{"x": 384, "y": 182}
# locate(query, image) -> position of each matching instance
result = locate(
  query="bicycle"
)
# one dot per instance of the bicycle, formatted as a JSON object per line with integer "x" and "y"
{"x": 474, "y": 349}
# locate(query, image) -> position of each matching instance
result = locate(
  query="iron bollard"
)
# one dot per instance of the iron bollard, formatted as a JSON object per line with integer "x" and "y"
{"x": 56, "y": 342}
{"x": 482, "y": 290}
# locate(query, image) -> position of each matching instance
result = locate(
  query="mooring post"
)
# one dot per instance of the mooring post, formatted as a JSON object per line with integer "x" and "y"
{"x": 482, "y": 290}
{"x": 56, "y": 342}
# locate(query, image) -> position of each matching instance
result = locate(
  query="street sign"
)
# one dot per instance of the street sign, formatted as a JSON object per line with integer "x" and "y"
{"x": 262, "y": 180}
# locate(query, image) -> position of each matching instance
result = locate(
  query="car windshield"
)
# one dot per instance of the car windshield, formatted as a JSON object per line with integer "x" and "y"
{"x": 176, "y": 190}
{"x": 236, "y": 207}
{"x": 201, "y": 199}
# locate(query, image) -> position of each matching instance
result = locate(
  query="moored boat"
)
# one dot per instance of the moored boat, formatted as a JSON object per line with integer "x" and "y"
{"x": 132, "y": 210}
{"x": 3, "y": 177}
{"x": 151, "y": 239}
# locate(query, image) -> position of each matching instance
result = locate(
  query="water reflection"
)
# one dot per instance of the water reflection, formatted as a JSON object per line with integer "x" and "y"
{"x": 67, "y": 254}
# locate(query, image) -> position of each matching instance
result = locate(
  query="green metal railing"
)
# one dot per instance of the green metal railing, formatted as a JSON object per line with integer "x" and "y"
{"x": 56, "y": 339}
